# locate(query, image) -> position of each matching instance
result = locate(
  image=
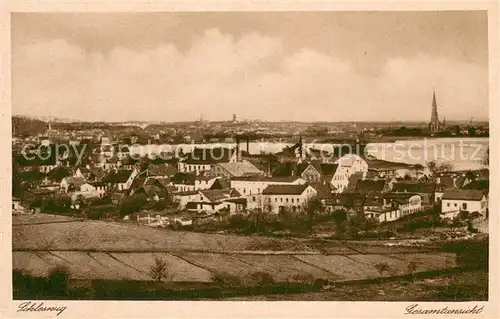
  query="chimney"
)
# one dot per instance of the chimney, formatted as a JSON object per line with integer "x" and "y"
{"x": 238, "y": 153}
{"x": 248, "y": 145}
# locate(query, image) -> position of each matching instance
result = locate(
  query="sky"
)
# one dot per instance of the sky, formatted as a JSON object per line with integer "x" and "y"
{"x": 297, "y": 66}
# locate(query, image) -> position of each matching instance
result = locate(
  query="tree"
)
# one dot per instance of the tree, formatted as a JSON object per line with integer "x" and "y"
{"x": 382, "y": 267}
{"x": 438, "y": 168}
{"x": 412, "y": 267}
{"x": 486, "y": 158}
{"x": 158, "y": 270}
{"x": 313, "y": 206}
{"x": 132, "y": 204}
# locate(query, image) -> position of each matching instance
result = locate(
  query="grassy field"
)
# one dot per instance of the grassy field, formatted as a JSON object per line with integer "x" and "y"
{"x": 126, "y": 251}
{"x": 466, "y": 286}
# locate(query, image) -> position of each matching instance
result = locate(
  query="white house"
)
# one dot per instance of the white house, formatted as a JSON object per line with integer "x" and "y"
{"x": 184, "y": 197}
{"x": 455, "y": 201}
{"x": 347, "y": 166}
{"x": 279, "y": 198}
{"x": 252, "y": 187}
{"x": 217, "y": 200}
{"x": 392, "y": 206}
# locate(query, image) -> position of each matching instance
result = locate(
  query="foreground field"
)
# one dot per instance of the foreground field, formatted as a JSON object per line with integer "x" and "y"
{"x": 50, "y": 232}
{"x": 125, "y": 251}
{"x": 466, "y": 286}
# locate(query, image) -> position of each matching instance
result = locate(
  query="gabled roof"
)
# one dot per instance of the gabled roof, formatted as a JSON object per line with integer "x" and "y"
{"x": 119, "y": 176}
{"x": 161, "y": 170}
{"x": 328, "y": 168}
{"x": 220, "y": 183}
{"x": 238, "y": 169}
{"x": 216, "y": 195}
{"x": 324, "y": 189}
{"x": 75, "y": 181}
{"x": 284, "y": 189}
{"x": 463, "y": 194}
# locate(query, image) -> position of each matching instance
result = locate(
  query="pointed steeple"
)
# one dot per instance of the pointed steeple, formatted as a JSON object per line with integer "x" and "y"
{"x": 434, "y": 115}
{"x": 434, "y": 124}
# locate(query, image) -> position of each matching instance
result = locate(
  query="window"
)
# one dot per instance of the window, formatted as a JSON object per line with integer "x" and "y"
{"x": 448, "y": 204}
{"x": 455, "y": 204}
{"x": 292, "y": 200}
{"x": 253, "y": 198}
{"x": 281, "y": 200}
{"x": 464, "y": 205}
{"x": 298, "y": 200}
{"x": 287, "y": 200}
{"x": 244, "y": 190}
{"x": 275, "y": 199}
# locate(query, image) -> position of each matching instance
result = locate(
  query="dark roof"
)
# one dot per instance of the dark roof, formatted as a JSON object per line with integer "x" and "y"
{"x": 412, "y": 187}
{"x": 324, "y": 189}
{"x": 463, "y": 194}
{"x": 346, "y": 200}
{"x": 366, "y": 186}
{"x": 150, "y": 190}
{"x": 220, "y": 183}
{"x": 381, "y": 165}
{"x": 183, "y": 178}
{"x": 288, "y": 179}
{"x": 284, "y": 189}
{"x": 120, "y": 176}
{"x": 40, "y": 191}
{"x": 483, "y": 185}
{"x": 328, "y": 169}
{"x": 209, "y": 155}
{"x": 215, "y": 195}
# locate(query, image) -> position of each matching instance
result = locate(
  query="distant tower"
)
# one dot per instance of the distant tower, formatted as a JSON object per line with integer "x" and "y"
{"x": 234, "y": 118}
{"x": 434, "y": 125}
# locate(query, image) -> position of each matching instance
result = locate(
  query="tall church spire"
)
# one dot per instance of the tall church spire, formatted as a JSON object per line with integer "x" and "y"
{"x": 434, "y": 124}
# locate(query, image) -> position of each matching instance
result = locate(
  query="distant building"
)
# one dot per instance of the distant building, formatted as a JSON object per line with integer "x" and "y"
{"x": 435, "y": 125}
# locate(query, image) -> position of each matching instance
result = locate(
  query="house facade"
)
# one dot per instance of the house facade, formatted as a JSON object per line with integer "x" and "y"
{"x": 455, "y": 201}
{"x": 280, "y": 198}
{"x": 347, "y": 166}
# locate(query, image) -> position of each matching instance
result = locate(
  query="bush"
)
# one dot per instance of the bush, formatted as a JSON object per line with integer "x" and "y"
{"x": 58, "y": 282}
{"x": 261, "y": 278}
{"x": 305, "y": 279}
{"x": 470, "y": 253}
{"x": 226, "y": 280}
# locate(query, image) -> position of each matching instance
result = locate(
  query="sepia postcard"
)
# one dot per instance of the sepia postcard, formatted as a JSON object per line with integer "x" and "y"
{"x": 246, "y": 159}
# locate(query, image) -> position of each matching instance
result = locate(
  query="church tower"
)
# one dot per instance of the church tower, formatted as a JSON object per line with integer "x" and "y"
{"x": 434, "y": 125}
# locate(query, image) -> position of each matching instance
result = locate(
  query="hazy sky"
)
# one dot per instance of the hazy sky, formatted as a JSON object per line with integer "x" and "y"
{"x": 318, "y": 66}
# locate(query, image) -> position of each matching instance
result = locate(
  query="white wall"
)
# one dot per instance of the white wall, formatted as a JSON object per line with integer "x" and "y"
{"x": 451, "y": 207}
{"x": 273, "y": 202}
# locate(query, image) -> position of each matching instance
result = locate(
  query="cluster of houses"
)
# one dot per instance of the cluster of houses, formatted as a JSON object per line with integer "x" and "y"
{"x": 223, "y": 181}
